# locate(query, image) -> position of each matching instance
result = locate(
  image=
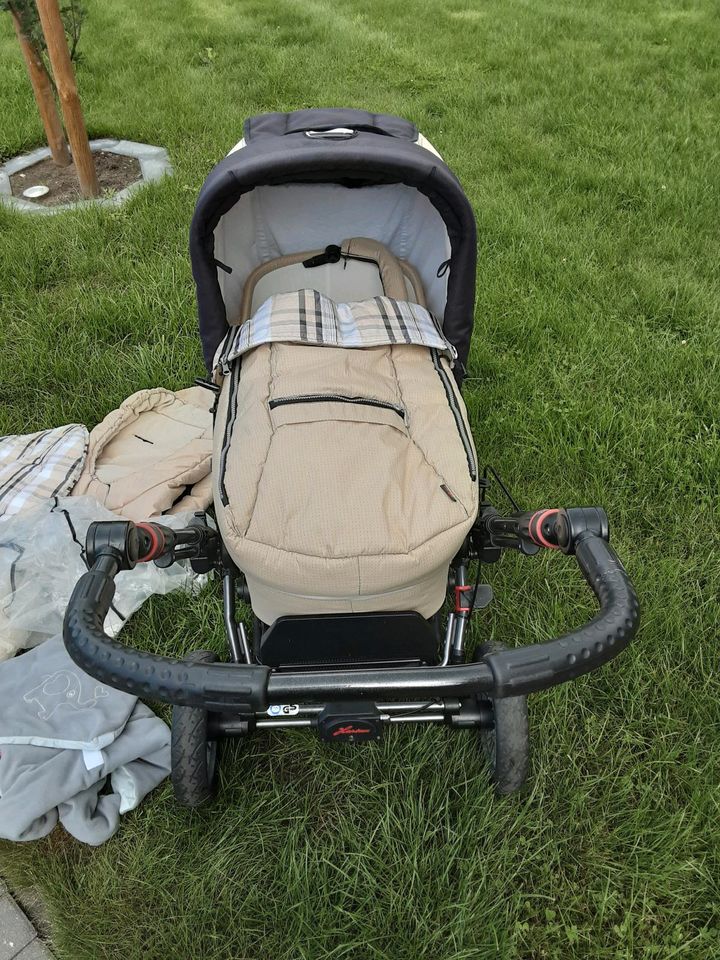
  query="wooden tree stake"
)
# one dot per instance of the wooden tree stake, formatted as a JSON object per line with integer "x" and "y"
{"x": 59, "y": 55}
{"x": 44, "y": 97}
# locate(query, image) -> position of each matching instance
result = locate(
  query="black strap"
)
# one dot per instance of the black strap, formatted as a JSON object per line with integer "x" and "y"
{"x": 331, "y": 254}
{"x": 83, "y": 555}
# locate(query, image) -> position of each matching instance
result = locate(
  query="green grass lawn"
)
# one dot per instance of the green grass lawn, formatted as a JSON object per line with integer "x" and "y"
{"x": 586, "y": 135}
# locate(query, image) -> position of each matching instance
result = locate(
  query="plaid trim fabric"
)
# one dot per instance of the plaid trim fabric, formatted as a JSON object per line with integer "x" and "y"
{"x": 307, "y": 316}
{"x": 38, "y": 466}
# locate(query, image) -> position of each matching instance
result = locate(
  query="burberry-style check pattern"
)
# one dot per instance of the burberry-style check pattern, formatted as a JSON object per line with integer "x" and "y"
{"x": 307, "y": 316}
{"x": 38, "y": 466}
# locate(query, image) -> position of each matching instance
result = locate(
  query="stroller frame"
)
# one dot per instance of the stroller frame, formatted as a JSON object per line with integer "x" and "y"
{"x": 246, "y": 694}
{"x": 413, "y": 670}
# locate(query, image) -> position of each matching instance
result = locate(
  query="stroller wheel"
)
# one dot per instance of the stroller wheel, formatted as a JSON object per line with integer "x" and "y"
{"x": 193, "y": 754}
{"x": 507, "y": 744}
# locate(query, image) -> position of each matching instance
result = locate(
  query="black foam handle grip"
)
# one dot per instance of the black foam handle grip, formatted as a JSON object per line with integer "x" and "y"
{"x": 236, "y": 688}
{"x": 524, "y": 670}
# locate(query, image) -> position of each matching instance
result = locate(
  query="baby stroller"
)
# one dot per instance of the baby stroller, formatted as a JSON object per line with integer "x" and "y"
{"x": 334, "y": 257}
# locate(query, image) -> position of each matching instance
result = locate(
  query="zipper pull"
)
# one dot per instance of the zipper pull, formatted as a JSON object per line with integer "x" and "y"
{"x": 207, "y": 383}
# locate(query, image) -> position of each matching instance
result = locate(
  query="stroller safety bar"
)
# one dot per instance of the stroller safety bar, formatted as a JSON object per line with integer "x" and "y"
{"x": 246, "y": 689}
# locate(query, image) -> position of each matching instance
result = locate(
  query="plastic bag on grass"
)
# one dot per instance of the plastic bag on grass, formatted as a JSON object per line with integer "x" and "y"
{"x": 42, "y": 556}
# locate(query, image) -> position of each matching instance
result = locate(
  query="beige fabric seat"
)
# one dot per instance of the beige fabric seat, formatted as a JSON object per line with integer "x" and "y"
{"x": 152, "y": 455}
{"x": 345, "y": 480}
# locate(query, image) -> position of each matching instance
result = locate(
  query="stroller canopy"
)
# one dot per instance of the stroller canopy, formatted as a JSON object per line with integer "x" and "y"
{"x": 304, "y": 180}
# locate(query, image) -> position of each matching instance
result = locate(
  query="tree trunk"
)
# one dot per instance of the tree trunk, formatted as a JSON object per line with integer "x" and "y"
{"x": 59, "y": 54}
{"x": 44, "y": 97}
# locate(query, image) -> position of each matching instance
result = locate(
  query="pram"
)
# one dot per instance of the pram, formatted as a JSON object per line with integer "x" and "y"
{"x": 334, "y": 255}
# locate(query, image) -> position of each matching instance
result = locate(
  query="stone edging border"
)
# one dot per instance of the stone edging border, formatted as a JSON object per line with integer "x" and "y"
{"x": 154, "y": 164}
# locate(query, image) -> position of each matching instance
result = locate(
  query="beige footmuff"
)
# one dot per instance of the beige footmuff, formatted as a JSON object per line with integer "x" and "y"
{"x": 344, "y": 471}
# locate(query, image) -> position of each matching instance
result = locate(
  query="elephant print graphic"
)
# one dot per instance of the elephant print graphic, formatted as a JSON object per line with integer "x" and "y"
{"x": 63, "y": 689}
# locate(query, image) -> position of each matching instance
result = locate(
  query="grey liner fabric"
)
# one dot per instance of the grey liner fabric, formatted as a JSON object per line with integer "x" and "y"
{"x": 64, "y": 737}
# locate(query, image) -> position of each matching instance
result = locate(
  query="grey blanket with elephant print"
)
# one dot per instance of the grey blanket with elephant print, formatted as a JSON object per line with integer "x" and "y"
{"x": 72, "y": 750}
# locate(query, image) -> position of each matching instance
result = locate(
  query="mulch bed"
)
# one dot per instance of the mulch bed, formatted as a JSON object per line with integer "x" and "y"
{"x": 114, "y": 173}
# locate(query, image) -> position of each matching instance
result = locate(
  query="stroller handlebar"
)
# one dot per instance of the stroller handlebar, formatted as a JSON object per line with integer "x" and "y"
{"x": 246, "y": 689}
{"x": 505, "y": 673}
{"x": 216, "y": 686}
{"x": 523, "y": 670}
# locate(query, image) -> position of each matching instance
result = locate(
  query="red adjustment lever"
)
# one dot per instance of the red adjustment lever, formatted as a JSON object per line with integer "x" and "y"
{"x": 460, "y": 592}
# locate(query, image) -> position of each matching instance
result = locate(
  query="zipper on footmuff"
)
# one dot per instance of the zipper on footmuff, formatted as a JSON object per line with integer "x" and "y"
{"x": 336, "y": 398}
{"x": 457, "y": 414}
{"x": 230, "y": 416}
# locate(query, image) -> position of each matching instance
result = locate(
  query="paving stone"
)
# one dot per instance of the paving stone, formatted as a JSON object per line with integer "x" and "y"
{"x": 33, "y": 906}
{"x": 34, "y": 951}
{"x": 16, "y": 931}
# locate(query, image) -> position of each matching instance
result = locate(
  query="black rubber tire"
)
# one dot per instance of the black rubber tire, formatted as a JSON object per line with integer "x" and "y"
{"x": 193, "y": 756}
{"x": 507, "y": 746}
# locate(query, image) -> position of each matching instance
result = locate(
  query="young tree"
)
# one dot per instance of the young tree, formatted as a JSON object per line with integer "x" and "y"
{"x": 43, "y": 27}
{"x": 22, "y": 17}
{"x": 58, "y": 50}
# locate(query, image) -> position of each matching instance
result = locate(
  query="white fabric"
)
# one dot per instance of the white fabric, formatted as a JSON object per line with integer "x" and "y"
{"x": 37, "y": 466}
{"x": 424, "y": 142}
